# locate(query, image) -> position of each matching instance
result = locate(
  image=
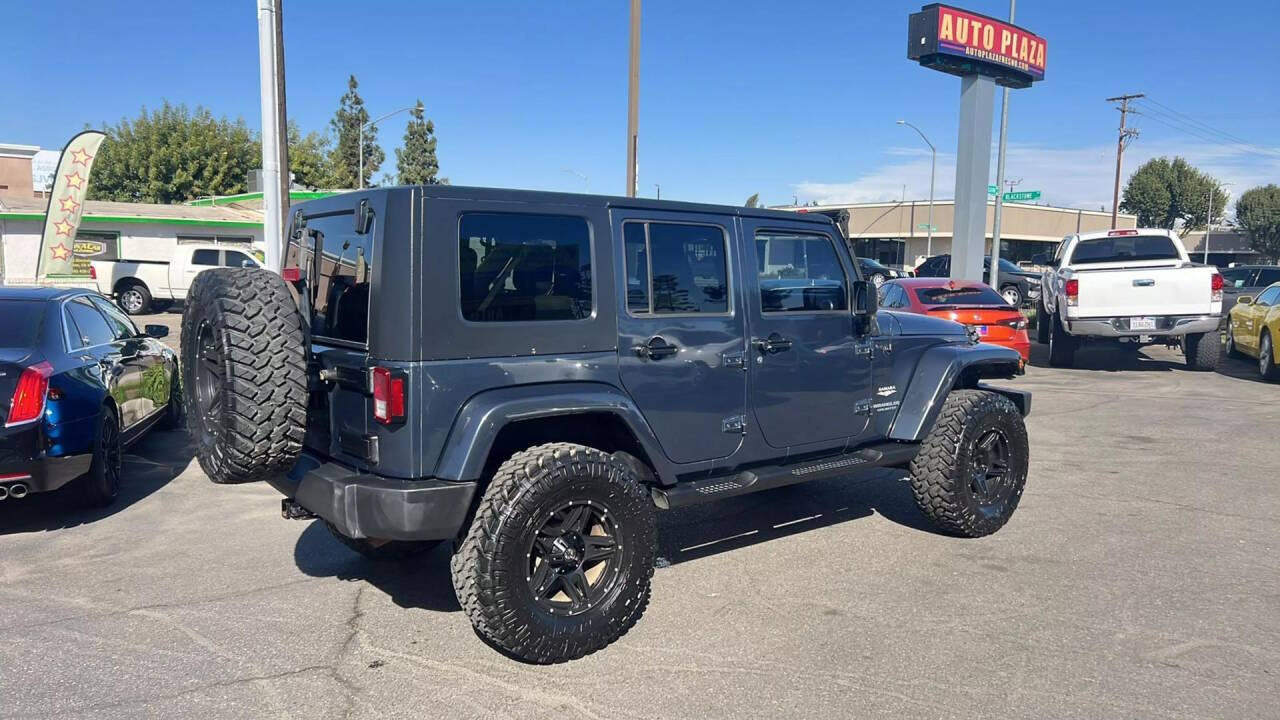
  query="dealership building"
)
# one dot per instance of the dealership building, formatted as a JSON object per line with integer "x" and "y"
{"x": 896, "y": 233}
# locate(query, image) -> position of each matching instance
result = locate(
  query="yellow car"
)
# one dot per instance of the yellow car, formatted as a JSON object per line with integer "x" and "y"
{"x": 1253, "y": 328}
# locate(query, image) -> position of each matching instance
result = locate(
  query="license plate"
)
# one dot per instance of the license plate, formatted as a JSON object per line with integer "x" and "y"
{"x": 982, "y": 329}
{"x": 1142, "y": 323}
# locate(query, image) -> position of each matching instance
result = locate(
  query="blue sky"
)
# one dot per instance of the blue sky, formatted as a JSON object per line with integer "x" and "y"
{"x": 737, "y": 97}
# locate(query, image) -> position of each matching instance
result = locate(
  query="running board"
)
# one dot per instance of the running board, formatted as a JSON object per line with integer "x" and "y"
{"x": 773, "y": 476}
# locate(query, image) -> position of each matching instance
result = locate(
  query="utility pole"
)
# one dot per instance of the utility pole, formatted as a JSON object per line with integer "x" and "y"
{"x": 658, "y": 188}
{"x": 275, "y": 161}
{"x": 994, "y": 280}
{"x": 1126, "y": 136}
{"x": 633, "y": 102}
{"x": 282, "y": 127}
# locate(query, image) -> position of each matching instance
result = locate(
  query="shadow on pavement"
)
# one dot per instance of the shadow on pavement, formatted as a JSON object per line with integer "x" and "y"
{"x": 149, "y": 465}
{"x": 1107, "y": 357}
{"x": 420, "y": 582}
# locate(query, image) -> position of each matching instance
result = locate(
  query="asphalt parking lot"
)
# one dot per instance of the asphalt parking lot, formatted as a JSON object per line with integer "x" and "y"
{"x": 1139, "y": 578}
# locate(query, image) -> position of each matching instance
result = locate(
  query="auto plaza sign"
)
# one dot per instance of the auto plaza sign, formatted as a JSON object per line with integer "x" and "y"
{"x": 960, "y": 42}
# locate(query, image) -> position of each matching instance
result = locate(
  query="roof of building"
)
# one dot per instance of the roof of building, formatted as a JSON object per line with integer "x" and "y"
{"x": 23, "y": 208}
{"x": 925, "y": 201}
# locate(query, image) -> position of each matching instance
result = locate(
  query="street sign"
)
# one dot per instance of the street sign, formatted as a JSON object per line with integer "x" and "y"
{"x": 1021, "y": 196}
{"x": 992, "y": 189}
{"x": 927, "y": 226}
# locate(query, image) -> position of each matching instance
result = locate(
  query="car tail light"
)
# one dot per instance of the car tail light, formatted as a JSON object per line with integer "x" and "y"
{"x": 1072, "y": 290}
{"x": 291, "y": 274}
{"x": 388, "y": 396}
{"x": 1116, "y": 233}
{"x": 1216, "y": 286}
{"x": 1018, "y": 323}
{"x": 29, "y": 395}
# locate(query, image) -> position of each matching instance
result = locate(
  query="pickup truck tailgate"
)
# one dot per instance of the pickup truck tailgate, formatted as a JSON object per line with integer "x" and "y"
{"x": 1154, "y": 290}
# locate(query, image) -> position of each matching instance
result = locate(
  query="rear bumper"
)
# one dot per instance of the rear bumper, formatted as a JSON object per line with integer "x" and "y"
{"x": 362, "y": 505}
{"x": 23, "y": 461}
{"x": 1166, "y": 325}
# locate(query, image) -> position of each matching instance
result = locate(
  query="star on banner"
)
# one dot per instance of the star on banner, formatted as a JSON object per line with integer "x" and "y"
{"x": 63, "y": 227}
{"x": 69, "y": 205}
{"x": 80, "y": 157}
{"x": 60, "y": 252}
{"x": 74, "y": 180}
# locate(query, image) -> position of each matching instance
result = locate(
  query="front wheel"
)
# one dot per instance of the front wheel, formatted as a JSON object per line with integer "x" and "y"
{"x": 1231, "y": 350}
{"x": 557, "y": 562}
{"x": 1042, "y": 322}
{"x": 135, "y": 299}
{"x": 969, "y": 474}
{"x": 1012, "y": 295}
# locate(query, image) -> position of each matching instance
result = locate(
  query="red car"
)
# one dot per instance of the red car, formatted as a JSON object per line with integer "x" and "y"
{"x": 968, "y": 303}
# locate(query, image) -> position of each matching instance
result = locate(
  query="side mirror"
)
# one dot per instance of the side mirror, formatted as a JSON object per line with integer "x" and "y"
{"x": 1040, "y": 259}
{"x": 865, "y": 300}
{"x": 248, "y": 264}
{"x": 1244, "y": 300}
{"x": 155, "y": 331}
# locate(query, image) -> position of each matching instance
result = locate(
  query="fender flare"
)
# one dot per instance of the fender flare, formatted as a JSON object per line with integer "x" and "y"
{"x": 481, "y": 418}
{"x": 937, "y": 373}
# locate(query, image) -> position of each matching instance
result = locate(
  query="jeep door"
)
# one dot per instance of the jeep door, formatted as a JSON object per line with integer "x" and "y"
{"x": 810, "y": 370}
{"x": 681, "y": 346}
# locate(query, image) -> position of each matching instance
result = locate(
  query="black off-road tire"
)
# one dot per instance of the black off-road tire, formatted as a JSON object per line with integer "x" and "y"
{"x": 101, "y": 485}
{"x": 1042, "y": 322}
{"x": 1202, "y": 351}
{"x": 1062, "y": 346}
{"x": 246, "y": 404}
{"x": 383, "y": 550}
{"x": 134, "y": 298}
{"x": 943, "y": 473}
{"x": 492, "y": 571}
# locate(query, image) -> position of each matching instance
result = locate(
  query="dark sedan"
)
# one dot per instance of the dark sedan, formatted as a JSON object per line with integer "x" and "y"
{"x": 1018, "y": 287}
{"x": 78, "y": 383}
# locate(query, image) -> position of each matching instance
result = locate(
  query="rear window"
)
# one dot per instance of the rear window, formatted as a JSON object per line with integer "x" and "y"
{"x": 341, "y": 307}
{"x": 1124, "y": 248}
{"x": 959, "y": 296}
{"x": 20, "y": 323}
{"x": 524, "y": 268}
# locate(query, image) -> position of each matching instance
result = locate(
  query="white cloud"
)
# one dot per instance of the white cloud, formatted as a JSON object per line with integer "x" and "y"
{"x": 1067, "y": 177}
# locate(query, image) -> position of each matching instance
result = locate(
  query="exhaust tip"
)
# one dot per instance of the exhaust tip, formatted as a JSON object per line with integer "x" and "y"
{"x": 18, "y": 491}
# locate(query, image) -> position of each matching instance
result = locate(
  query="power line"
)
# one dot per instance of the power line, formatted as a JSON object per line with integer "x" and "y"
{"x": 1182, "y": 122}
{"x": 1195, "y": 121}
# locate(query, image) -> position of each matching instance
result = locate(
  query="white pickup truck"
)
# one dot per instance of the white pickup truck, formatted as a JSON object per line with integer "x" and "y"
{"x": 1132, "y": 286}
{"x": 140, "y": 285}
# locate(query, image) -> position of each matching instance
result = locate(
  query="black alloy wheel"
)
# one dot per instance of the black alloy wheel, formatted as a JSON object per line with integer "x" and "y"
{"x": 990, "y": 478}
{"x": 208, "y": 370}
{"x": 572, "y": 558}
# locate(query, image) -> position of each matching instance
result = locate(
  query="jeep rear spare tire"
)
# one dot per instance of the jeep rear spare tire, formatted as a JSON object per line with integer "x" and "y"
{"x": 557, "y": 562}
{"x": 243, "y": 374}
{"x": 969, "y": 474}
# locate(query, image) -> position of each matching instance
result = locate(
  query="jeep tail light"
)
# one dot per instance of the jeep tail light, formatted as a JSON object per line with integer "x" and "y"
{"x": 1072, "y": 291}
{"x": 1216, "y": 286}
{"x": 29, "y": 395}
{"x": 388, "y": 396}
{"x": 291, "y": 274}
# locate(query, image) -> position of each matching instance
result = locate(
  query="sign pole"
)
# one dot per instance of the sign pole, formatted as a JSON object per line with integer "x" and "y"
{"x": 973, "y": 168}
{"x": 995, "y": 225}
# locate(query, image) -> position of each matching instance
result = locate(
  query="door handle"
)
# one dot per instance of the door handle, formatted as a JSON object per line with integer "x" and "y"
{"x": 773, "y": 344}
{"x": 656, "y": 349}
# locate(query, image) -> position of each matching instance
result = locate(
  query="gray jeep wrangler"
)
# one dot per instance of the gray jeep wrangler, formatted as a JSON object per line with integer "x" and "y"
{"x": 530, "y": 376}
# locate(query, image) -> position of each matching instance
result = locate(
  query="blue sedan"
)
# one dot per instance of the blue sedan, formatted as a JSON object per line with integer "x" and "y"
{"x": 78, "y": 383}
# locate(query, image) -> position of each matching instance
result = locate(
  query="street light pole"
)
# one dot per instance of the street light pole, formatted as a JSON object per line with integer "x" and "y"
{"x": 995, "y": 223}
{"x": 366, "y": 126}
{"x": 933, "y": 171}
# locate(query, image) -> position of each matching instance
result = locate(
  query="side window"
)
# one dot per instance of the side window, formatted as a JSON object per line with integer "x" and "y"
{"x": 676, "y": 268}
{"x": 1267, "y": 276}
{"x": 87, "y": 326}
{"x": 1268, "y": 297}
{"x": 341, "y": 307}
{"x": 524, "y": 268}
{"x": 1236, "y": 277}
{"x": 235, "y": 258}
{"x": 204, "y": 256}
{"x": 121, "y": 326}
{"x": 799, "y": 273}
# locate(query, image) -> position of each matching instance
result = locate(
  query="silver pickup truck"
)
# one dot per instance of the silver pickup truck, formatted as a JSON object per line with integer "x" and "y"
{"x": 1133, "y": 286}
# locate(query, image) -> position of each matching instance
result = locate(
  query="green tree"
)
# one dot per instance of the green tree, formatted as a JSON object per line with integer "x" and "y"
{"x": 1168, "y": 193}
{"x": 172, "y": 155}
{"x": 416, "y": 162}
{"x": 308, "y": 158}
{"x": 1258, "y": 213}
{"x": 344, "y": 159}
